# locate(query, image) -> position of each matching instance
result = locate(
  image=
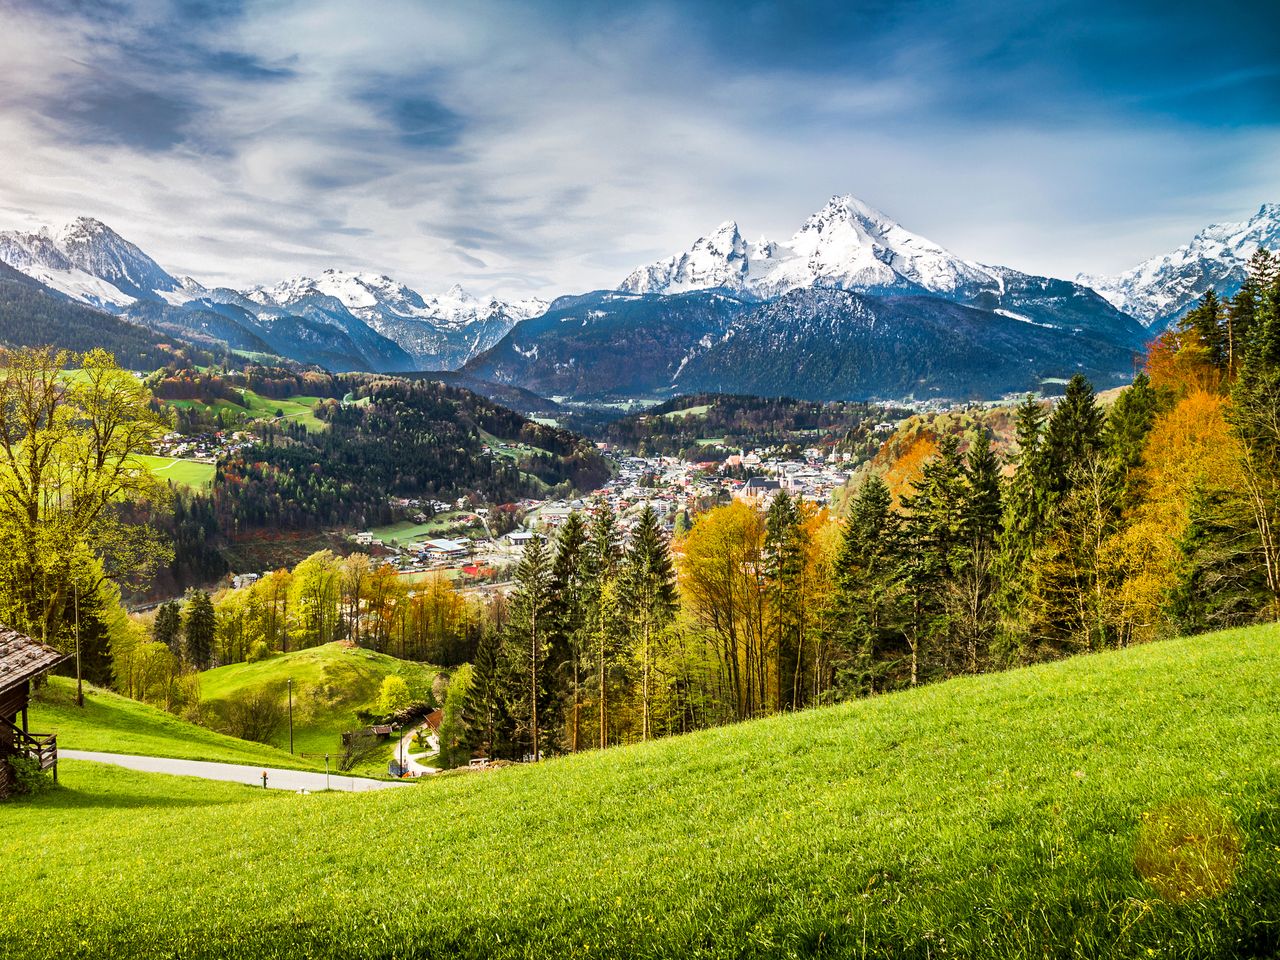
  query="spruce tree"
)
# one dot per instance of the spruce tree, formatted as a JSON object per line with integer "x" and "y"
{"x": 602, "y": 558}
{"x": 647, "y": 590}
{"x": 568, "y": 622}
{"x": 167, "y": 626}
{"x": 1207, "y": 322}
{"x": 863, "y": 617}
{"x": 527, "y": 644}
{"x": 785, "y": 546}
{"x": 973, "y": 564}
{"x": 200, "y": 626}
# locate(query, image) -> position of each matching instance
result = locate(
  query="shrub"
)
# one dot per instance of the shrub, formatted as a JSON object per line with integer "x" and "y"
{"x": 253, "y": 715}
{"x": 28, "y": 778}
{"x": 258, "y": 651}
{"x": 393, "y": 696}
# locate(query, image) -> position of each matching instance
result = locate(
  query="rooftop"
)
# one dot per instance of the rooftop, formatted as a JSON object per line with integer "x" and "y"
{"x": 22, "y": 658}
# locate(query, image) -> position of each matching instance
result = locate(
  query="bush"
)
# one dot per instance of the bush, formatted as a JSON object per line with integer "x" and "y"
{"x": 255, "y": 715}
{"x": 258, "y": 651}
{"x": 28, "y": 778}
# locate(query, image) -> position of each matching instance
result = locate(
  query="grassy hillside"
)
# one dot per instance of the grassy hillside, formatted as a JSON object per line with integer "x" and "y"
{"x": 191, "y": 474}
{"x": 1003, "y": 816}
{"x": 330, "y": 683}
{"x": 116, "y": 724}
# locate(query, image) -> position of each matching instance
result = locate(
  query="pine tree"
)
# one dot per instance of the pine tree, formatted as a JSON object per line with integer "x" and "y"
{"x": 647, "y": 589}
{"x": 1207, "y": 322}
{"x": 864, "y": 605}
{"x": 200, "y": 626}
{"x": 931, "y": 533}
{"x": 602, "y": 558}
{"x": 167, "y": 627}
{"x": 1024, "y": 515}
{"x": 490, "y": 730}
{"x": 785, "y": 545}
{"x": 567, "y": 628}
{"x": 526, "y": 647}
{"x": 1125, "y": 434}
{"x": 1072, "y": 437}
{"x": 973, "y": 562}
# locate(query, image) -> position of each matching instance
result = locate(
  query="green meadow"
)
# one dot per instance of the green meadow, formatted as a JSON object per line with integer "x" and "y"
{"x": 191, "y": 474}
{"x": 110, "y": 723}
{"x": 1124, "y": 804}
{"x": 330, "y": 684}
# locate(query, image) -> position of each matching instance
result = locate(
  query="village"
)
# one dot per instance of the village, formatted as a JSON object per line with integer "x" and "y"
{"x": 472, "y": 545}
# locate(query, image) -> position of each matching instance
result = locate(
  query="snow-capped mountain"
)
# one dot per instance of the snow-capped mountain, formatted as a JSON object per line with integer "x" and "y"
{"x": 87, "y": 261}
{"x": 847, "y": 245}
{"x": 353, "y": 320}
{"x": 1159, "y": 290}
{"x": 442, "y": 331}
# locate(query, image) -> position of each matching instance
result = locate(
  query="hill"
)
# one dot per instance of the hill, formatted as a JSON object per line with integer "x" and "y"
{"x": 33, "y": 316}
{"x": 114, "y": 724}
{"x": 330, "y": 684}
{"x": 1117, "y": 805}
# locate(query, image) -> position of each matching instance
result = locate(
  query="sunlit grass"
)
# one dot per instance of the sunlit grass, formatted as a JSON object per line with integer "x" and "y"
{"x": 998, "y": 816}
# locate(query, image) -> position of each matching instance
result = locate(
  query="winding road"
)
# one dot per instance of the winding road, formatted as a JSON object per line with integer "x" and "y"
{"x": 277, "y": 779}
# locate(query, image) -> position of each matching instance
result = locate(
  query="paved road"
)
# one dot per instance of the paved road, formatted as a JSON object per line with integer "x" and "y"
{"x": 405, "y": 749}
{"x": 235, "y": 772}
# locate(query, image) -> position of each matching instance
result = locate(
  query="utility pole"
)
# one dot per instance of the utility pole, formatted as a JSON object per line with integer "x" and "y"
{"x": 290, "y": 714}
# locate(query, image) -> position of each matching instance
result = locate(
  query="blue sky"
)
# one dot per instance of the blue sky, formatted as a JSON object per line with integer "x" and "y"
{"x": 527, "y": 147}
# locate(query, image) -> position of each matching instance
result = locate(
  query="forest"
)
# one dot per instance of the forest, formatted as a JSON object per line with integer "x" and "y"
{"x": 678, "y": 426}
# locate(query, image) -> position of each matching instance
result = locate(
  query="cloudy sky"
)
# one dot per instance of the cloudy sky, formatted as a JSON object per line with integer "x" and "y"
{"x": 537, "y": 147}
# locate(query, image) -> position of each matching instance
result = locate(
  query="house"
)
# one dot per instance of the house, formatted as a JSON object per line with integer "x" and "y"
{"x": 21, "y": 661}
{"x": 241, "y": 580}
{"x": 520, "y": 537}
{"x": 445, "y": 548}
{"x": 365, "y": 538}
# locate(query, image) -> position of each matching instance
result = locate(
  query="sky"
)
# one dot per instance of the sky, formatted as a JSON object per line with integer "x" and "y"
{"x": 537, "y": 148}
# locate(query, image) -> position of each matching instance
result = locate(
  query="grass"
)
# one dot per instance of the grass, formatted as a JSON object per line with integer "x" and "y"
{"x": 330, "y": 683}
{"x": 111, "y": 723}
{"x": 406, "y": 531}
{"x": 1002, "y": 816}
{"x": 699, "y": 411}
{"x": 258, "y": 407}
{"x": 190, "y": 474}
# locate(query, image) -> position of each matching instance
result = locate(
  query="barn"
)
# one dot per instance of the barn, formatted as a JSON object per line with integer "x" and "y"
{"x": 21, "y": 661}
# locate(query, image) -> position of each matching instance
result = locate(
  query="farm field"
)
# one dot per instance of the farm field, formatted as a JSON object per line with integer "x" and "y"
{"x": 114, "y": 724}
{"x": 1116, "y": 805}
{"x": 330, "y": 683}
{"x": 191, "y": 474}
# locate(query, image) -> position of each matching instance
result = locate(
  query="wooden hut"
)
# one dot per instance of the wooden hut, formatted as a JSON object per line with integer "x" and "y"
{"x": 21, "y": 661}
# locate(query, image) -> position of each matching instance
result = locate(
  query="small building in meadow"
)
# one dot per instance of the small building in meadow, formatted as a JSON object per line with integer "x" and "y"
{"x": 22, "y": 660}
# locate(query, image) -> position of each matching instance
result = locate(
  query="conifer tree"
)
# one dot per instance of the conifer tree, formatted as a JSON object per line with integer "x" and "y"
{"x": 1207, "y": 322}
{"x": 647, "y": 589}
{"x": 974, "y": 557}
{"x": 602, "y": 558}
{"x": 485, "y": 717}
{"x": 167, "y": 626}
{"x": 527, "y": 646}
{"x": 864, "y": 605}
{"x": 568, "y": 623}
{"x": 200, "y": 626}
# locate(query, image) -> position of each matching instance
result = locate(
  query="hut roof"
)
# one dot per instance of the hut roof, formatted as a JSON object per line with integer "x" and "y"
{"x": 22, "y": 658}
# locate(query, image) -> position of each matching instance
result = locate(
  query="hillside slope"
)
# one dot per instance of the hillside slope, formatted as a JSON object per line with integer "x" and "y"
{"x": 998, "y": 816}
{"x": 111, "y": 723}
{"x": 330, "y": 683}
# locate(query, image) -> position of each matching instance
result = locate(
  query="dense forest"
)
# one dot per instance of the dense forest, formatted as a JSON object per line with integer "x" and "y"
{"x": 34, "y": 316}
{"x": 394, "y": 438}
{"x": 680, "y": 426}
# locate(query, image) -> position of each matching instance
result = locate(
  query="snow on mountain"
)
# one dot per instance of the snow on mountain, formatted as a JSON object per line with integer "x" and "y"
{"x": 847, "y": 245}
{"x": 1161, "y": 289}
{"x": 42, "y": 257}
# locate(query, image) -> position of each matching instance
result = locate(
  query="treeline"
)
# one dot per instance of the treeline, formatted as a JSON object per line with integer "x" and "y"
{"x": 746, "y": 421}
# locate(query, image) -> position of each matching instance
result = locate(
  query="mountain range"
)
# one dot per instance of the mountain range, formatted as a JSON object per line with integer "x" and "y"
{"x": 852, "y": 305}
{"x": 339, "y": 320}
